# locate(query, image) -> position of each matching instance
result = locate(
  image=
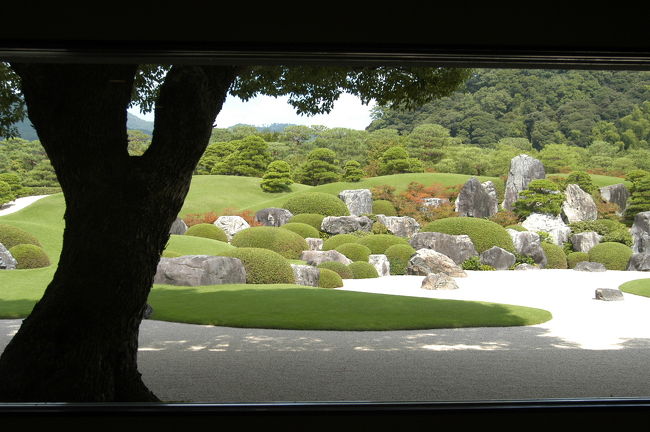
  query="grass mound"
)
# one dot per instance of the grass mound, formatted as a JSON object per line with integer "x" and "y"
{"x": 378, "y": 243}
{"x": 313, "y": 219}
{"x": 614, "y": 256}
{"x": 302, "y": 229}
{"x": 287, "y": 243}
{"x": 483, "y": 233}
{"x": 29, "y": 256}
{"x": 338, "y": 267}
{"x": 207, "y": 230}
{"x": 316, "y": 202}
{"x": 354, "y": 251}
{"x": 363, "y": 270}
{"x": 11, "y": 236}
{"x": 263, "y": 266}
{"x": 329, "y": 279}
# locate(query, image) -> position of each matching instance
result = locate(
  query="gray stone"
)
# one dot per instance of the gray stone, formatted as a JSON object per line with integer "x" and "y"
{"x": 314, "y": 258}
{"x": 427, "y": 261}
{"x": 617, "y": 194}
{"x": 433, "y": 202}
{"x": 608, "y": 294}
{"x": 273, "y": 216}
{"x": 306, "y": 275}
{"x": 523, "y": 170}
{"x": 584, "y": 241}
{"x": 314, "y": 244}
{"x": 346, "y": 224}
{"x": 380, "y": 263}
{"x": 525, "y": 266}
{"x": 477, "y": 199}
{"x": 578, "y": 205}
{"x": 401, "y": 226}
{"x": 528, "y": 243}
{"x": 7, "y": 261}
{"x": 588, "y": 266}
{"x": 438, "y": 281}
{"x": 641, "y": 232}
{"x": 457, "y": 247}
{"x": 178, "y": 227}
{"x": 553, "y": 225}
{"x": 197, "y": 270}
{"x": 358, "y": 201}
{"x": 231, "y": 225}
{"x": 639, "y": 262}
{"x": 498, "y": 258}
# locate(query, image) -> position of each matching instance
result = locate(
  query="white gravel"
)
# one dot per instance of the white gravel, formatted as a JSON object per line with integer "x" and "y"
{"x": 18, "y": 204}
{"x": 578, "y": 318}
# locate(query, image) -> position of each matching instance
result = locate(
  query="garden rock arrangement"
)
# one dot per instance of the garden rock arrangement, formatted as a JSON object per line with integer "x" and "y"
{"x": 380, "y": 263}
{"x": 401, "y": 226}
{"x": 641, "y": 232}
{"x": 590, "y": 267}
{"x": 426, "y": 261}
{"x": 523, "y": 170}
{"x": 231, "y": 225}
{"x": 315, "y": 258}
{"x": 346, "y": 224}
{"x": 178, "y": 227}
{"x": 477, "y": 199}
{"x": 358, "y": 201}
{"x": 198, "y": 270}
{"x": 273, "y": 216}
{"x": 438, "y": 281}
{"x": 553, "y": 225}
{"x": 528, "y": 244}
{"x": 578, "y": 205}
{"x": 585, "y": 241}
{"x": 617, "y": 194}
{"x": 7, "y": 261}
{"x": 498, "y": 258}
{"x": 608, "y": 294}
{"x": 457, "y": 247}
{"x": 306, "y": 274}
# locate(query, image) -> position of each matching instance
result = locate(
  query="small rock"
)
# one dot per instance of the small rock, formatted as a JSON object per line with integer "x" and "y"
{"x": 427, "y": 261}
{"x": 198, "y": 270}
{"x": 433, "y": 202}
{"x": 457, "y": 247}
{"x": 529, "y": 244}
{"x": 314, "y": 258}
{"x": 438, "y": 281}
{"x": 358, "y": 201}
{"x": 306, "y": 275}
{"x": 273, "y": 216}
{"x": 7, "y": 261}
{"x": 346, "y": 224}
{"x": 588, "y": 266}
{"x": 314, "y": 243}
{"x": 178, "y": 227}
{"x": 498, "y": 258}
{"x": 526, "y": 266}
{"x": 401, "y": 226}
{"x": 584, "y": 241}
{"x": 381, "y": 263}
{"x": 639, "y": 262}
{"x": 554, "y": 225}
{"x": 231, "y": 225}
{"x": 608, "y": 294}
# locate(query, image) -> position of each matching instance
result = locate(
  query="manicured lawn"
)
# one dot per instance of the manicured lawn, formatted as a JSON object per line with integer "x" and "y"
{"x": 190, "y": 245}
{"x": 640, "y": 287}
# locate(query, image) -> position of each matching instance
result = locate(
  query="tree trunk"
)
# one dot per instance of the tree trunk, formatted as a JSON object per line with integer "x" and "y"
{"x": 80, "y": 342}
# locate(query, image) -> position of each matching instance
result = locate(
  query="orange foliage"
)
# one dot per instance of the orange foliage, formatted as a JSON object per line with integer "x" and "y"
{"x": 247, "y": 215}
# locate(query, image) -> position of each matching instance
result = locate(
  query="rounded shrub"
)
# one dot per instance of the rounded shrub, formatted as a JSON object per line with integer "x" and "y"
{"x": 556, "y": 259}
{"x": 363, "y": 270}
{"x": 11, "y": 236}
{"x": 354, "y": 251}
{"x": 574, "y": 258}
{"x": 317, "y": 202}
{"x": 384, "y": 207}
{"x": 302, "y": 229}
{"x": 614, "y": 256}
{"x": 398, "y": 256}
{"x": 29, "y": 256}
{"x": 287, "y": 243}
{"x": 207, "y": 230}
{"x": 313, "y": 219}
{"x": 329, "y": 279}
{"x": 338, "y": 267}
{"x": 378, "y": 243}
{"x": 263, "y": 266}
{"x": 483, "y": 233}
{"x": 339, "y": 239}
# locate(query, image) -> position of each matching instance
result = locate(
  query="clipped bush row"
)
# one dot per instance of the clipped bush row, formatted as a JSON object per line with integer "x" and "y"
{"x": 23, "y": 247}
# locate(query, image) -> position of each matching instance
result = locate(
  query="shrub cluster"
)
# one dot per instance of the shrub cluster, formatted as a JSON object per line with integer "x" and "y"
{"x": 611, "y": 230}
{"x": 354, "y": 251}
{"x": 378, "y": 243}
{"x": 363, "y": 270}
{"x": 302, "y": 229}
{"x": 287, "y": 243}
{"x": 329, "y": 279}
{"x": 207, "y": 230}
{"x": 483, "y": 233}
{"x": 29, "y": 256}
{"x": 263, "y": 266}
{"x": 11, "y": 236}
{"x": 317, "y": 202}
{"x": 339, "y": 239}
{"x": 556, "y": 259}
{"x": 384, "y": 207}
{"x": 474, "y": 263}
{"x": 614, "y": 256}
{"x": 574, "y": 258}
{"x": 398, "y": 256}
{"x": 338, "y": 267}
{"x": 313, "y": 219}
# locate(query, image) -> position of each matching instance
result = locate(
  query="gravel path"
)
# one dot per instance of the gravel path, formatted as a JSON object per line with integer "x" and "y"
{"x": 18, "y": 204}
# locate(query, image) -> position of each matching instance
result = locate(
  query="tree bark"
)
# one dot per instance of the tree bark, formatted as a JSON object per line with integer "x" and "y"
{"x": 80, "y": 342}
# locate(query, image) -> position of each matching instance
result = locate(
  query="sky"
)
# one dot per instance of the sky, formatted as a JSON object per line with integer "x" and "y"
{"x": 348, "y": 113}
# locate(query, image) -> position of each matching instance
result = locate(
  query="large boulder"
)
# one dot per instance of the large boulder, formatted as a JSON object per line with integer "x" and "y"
{"x": 639, "y": 262}
{"x": 197, "y": 270}
{"x": 178, "y": 227}
{"x": 427, "y": 261}
{"x": 438, "y": 281}
{"x": 529, "y": 244}
{"x": 584, "y": 241}
{"x": 401, "y": 226}
{"x": 358, "y": 201}
{"x": 641, "y": 232}
{"x": 7, "y": 261}
{"x": 477, "y": 199}
{"x": 273, "y": 216}
{"x": 457, "y": 247}
{"x": 523, "y": 170}
{"x": 380, "y": 263}
{"x": 314, "y": 244}
{"x": 553, "y": 225}
{"x": 617, "y": 194}
{"x": 498, "y": 258}
{"x": 231, "y": 225}
{"x": 578, "y": 205}
{"x": 315, "y": 258}
{"x": 346, "y": 224}
{"x": 589, "y": 266}
{"x": 306, "y": 275}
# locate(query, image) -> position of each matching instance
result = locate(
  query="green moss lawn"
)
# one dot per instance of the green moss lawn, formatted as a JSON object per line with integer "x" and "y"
{"x": 640, "y": 287}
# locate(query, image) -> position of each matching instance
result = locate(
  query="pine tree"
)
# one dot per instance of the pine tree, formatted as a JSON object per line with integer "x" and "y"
{"x": 277, "y": 177}
{"x": 352, "y": 171}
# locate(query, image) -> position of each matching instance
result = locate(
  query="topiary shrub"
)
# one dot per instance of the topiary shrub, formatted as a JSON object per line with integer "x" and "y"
{"x": 329, "y": 279}
{"x": 384, "y": 207}
{"x": 338, "y": 267}
{"x": 474, "y": 263}
{"x": 302, "y": 229}
{"x": 11, "y": 236}
{"x": 354, "y": 251}
{"x": 363, "y": 270}
{"x": 378, "y": 243}
{"x": 263, "y": 266}
{"x": 207, "y": 230}
{"x": 313, "y": 219}
{"x": 614, "y": 256}
{"x": 398, "y": 256}
{"x": 611, "y": 230}
{"x": 287, "y": 243}
{"x": 317, "y": 202}
{"x": 483, "y": 233}
{"x": 339, "y": 239}
{"x": 29, "y": 256}
{"x": 542, "y": 196}
{"x": 574, "y": 258}
{"x": 556, "y": 259}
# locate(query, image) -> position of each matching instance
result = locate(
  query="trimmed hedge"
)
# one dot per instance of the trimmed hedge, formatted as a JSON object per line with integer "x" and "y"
{"x": 287, "y": 243}
{"x": 398, "y": 256}
{"x": 11, "y": 236}
{"x": 378, "y": 243}
{"x": 575, "y": 257}
{"x": 263, "y": 266}
{"x": 313, "y": 219}
{"x": 302, "y": 229}
{"x": 363, "y": 270}
{"x": 555, "y": 256}
{"x": 317, "y": 202}
{"x": 339, "y": 239}
{"x": 614, "y": 256}
{"x": 483, "y": 233}
{"x": 384, "y": 207}
{"x": 338, "y": 267}
{"x": 329, "y": 279}
{"x": 354, "y": 251}
{"x": 207, "y": 230}
{"x": 29, "y": 256}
